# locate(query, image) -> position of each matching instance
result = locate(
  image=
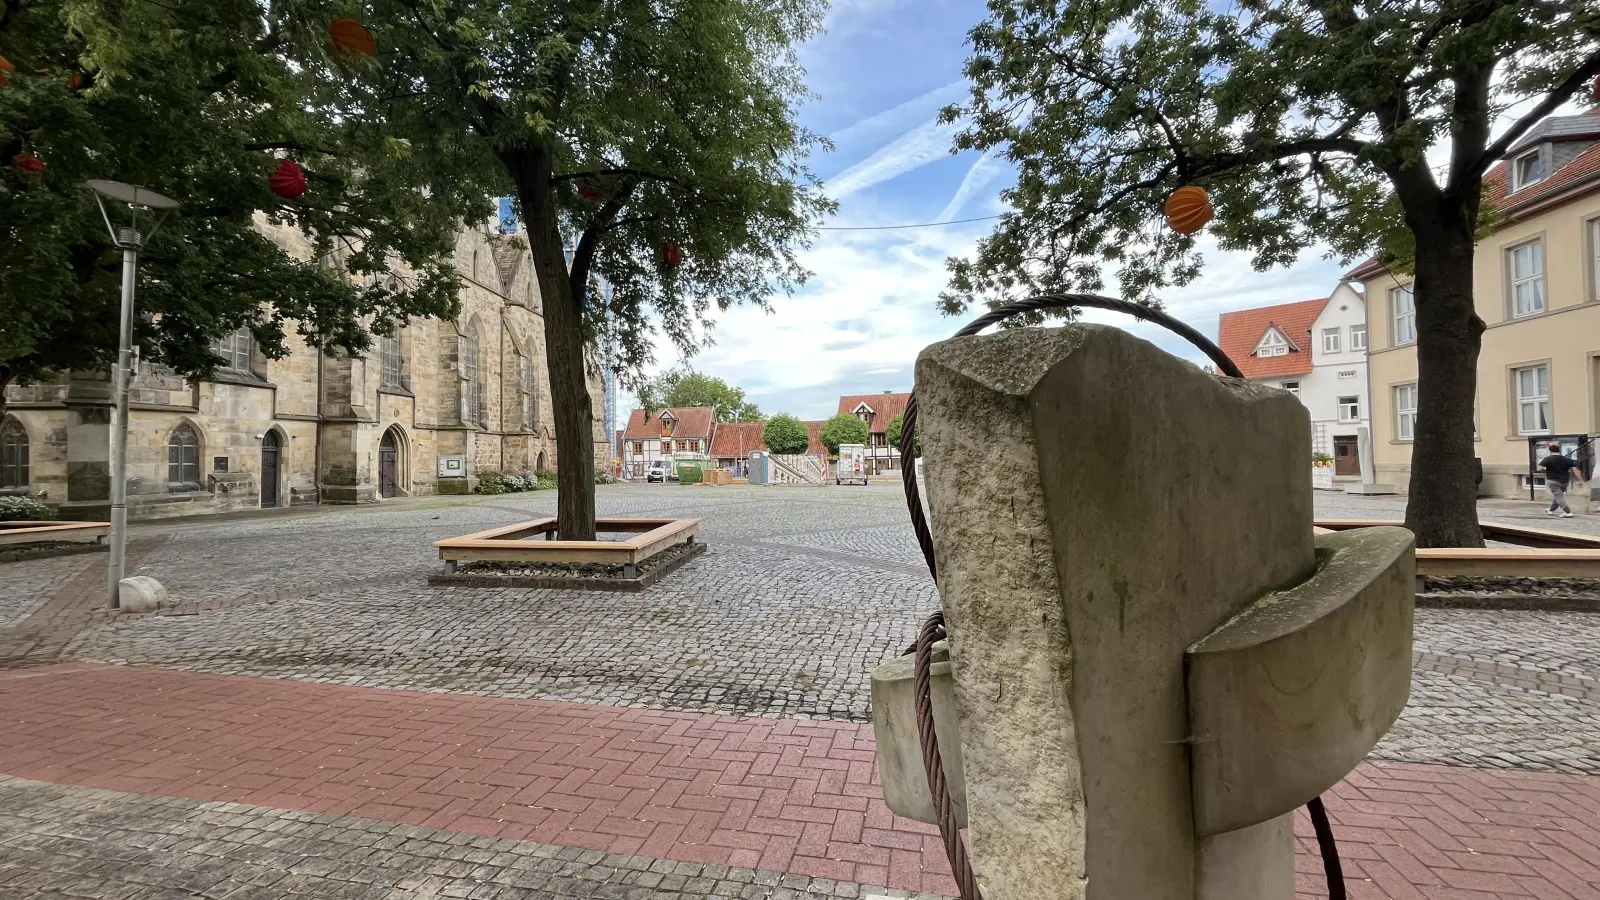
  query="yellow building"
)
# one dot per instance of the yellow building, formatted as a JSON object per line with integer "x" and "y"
{"x": 1536, "y": 283}
{"x": 423, "y": 412}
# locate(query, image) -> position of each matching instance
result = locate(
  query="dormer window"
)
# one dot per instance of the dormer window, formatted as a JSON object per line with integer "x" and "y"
{"x": 668, "y": 423}
{"x": 1273, "y": 343}
{"x": 1526, "y": 169}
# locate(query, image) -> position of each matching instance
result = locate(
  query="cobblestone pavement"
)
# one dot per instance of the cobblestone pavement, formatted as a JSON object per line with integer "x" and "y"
{"x": 81, "y": 842}
{"x": 331, "y": 791}
{"x": 803, "y": 592}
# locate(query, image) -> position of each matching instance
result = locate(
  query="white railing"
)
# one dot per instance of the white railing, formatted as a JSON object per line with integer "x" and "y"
{"x": 796, "y": 469}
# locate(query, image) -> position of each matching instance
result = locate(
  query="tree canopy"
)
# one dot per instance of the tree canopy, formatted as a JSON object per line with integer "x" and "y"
{"x": 843, "y": 429}
{"x": 199, "y": 100}
{"x": 896, "y": 429}
{"x": 1310, "y": 126}
{"x": 651, "y": 146}
{"x": 786, "y": 435}
{"x": 691, "y": 388}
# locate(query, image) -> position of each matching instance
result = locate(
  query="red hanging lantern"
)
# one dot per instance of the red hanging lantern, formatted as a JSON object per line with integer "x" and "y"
{"x": 5, "y": 66}
{"x": 288, "y": 180}
{"x": 351, "y": 38}
{"x": 672, "y": 255}
{"x": 588, "y": 190}
{"x": 77, "y": 81}
{"x": 28, "y": 164}
{"x": 1595, "y": 91}
{"x": 1188, "y": 209}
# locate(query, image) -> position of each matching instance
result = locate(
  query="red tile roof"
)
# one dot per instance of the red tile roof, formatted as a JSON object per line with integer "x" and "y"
{"x": 884, "y": 406}
{"x": 1241, "y": 331}
{"x": 735, "y": 440}
{"x": 693, "y": 422}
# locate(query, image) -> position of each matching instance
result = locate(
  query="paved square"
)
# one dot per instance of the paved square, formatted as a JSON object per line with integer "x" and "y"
{"x": 728, "y": 703}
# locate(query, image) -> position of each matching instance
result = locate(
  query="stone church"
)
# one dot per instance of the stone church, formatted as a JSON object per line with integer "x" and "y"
{"x": 422, "y": 413}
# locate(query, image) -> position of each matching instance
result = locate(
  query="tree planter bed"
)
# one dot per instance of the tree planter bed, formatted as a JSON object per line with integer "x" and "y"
{"x": 35, "y": 540}
{"x": 533, "y": 543}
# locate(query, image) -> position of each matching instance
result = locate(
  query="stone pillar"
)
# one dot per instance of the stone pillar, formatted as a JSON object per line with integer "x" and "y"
{"x": 1369, "y": 479}
{"x": 1102, "y": 510}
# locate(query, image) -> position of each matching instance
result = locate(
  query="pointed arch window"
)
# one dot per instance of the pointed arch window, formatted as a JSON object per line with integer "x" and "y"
{"x": 183, "y": 456}
{"x": 472, "y": 394}
{"x": 13, "y": 455}
{"x": 391, "y": 362}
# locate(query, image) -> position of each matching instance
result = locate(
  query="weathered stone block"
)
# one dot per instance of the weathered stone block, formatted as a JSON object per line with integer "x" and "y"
{"x": 140, "y": 594}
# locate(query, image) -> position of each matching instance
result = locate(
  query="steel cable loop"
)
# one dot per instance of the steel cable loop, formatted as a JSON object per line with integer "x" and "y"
{"x": 933, "y": 629}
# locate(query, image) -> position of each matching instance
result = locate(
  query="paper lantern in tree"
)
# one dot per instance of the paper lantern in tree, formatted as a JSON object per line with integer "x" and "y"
{"x": 351, "y": 38}
{"x": 588, "y": 190}
{"x": 1188, "y": 209}
{"x": 5, "y": 66}
{"x": 28, "y": 164}
{"x": 77, "y": 81}
{"x": 1595, "y": 90}
{"x": 288, "y": 180}
{"x": 672, "y": 254}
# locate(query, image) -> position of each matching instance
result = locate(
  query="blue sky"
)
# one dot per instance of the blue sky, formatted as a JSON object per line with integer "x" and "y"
{"x": 881, "y": 72}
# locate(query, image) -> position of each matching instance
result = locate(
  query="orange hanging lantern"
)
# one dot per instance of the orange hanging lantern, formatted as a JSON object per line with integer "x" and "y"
{"x": 77, "y": 81}
{"x": 351, "y": 38}
{"x": 28, "y": 164}
{"x": 672, "y": 254}
{"x": 5, "y": 66}
{"x": 1188, "y": 209}
{"x": 1594, "y": 90}
{"x": 288, "y": 180}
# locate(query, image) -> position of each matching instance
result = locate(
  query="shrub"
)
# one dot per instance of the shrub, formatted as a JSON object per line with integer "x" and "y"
{"x": 545, "y": 481}
{"x": 786, "y": 435}
{"x": 25, "y": 509}
{"x": 604, "y": 478}
{"x": 491, "y": 483}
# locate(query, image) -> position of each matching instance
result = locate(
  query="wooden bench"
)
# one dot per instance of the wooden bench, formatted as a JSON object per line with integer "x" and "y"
{"x": 12, "y": 533}
{"x": 521, "y": 543}
{"x": 1543, "y": 553}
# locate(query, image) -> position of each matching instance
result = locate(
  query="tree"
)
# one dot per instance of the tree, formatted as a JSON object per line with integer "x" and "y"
{"x": 894, "y": 431}
{"x": 199, "y": 100}
{"x": 786, "y": 435}
{"x": 843, "y": 429}
{"x": 1308, "y": 123}
{"x": 650, "y": 146}
{"x": 691, "y": 388}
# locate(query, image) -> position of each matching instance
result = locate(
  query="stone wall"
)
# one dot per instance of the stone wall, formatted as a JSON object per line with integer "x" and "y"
{"x": 329, "y": 413}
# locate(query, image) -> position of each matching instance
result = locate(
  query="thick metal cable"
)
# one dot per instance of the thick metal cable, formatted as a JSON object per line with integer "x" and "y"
{"x": 933, "y": 629}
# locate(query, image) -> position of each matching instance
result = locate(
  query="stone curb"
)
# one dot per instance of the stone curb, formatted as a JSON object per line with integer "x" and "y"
{"x": 556, "y": 582}
{"x": 25, "y": 553}
{"x": 1534, "y": 602}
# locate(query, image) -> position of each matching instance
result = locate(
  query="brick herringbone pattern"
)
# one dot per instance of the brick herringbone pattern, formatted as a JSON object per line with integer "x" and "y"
{"x": 777, "y": 794}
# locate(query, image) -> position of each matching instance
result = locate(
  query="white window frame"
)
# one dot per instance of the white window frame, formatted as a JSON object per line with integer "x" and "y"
{"x": 235, "y": 349}
{"x": 1405, "y": 320}
{"x": 1527, "y": 289}
{"x": 1273, "y": 343}
{"x": 1405, "y": 412}
{"x": 1532, "y": 398}
{"x": 1594, "y": 258}
{"x": 1330, "y": 341}
{"x": 1518, "y": 181}
{"x": 1349, "y": 409}
{"x": 1358, "y": 338}
{"x": 1292, "y": 387}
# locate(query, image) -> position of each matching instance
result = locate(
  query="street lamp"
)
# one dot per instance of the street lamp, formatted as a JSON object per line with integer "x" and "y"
{"x": 129, "y": 240}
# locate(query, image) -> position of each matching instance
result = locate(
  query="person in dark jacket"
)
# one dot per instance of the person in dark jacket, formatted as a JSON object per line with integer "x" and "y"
{"x": 1557, "y": 472}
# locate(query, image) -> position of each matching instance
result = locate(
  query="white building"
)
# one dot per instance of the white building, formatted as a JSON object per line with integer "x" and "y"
{"x": 1316, "y": 350}
{"x": 664, "y": 434}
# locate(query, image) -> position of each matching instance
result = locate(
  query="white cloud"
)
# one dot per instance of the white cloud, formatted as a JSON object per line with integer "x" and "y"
{"x": 912, "y": 150}
{"x": 985, "y": 170}
{"x": 917, "y": 108}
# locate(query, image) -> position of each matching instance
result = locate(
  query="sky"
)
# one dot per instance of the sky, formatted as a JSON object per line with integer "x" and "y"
{"x": 881, "y": 72}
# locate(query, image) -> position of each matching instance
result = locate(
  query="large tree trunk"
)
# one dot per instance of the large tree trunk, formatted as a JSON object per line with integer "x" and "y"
{"x": 1442, "y": 509}
{"x": 563, "y": 337}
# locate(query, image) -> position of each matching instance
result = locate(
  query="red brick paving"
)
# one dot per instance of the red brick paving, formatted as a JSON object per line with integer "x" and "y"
{"x": 784, "y": 795}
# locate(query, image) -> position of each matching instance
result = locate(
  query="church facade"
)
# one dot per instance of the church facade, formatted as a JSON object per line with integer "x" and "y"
{"x": 423, "y": 412}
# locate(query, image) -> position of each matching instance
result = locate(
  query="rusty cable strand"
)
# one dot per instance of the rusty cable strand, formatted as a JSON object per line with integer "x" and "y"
{"x": 933, "y": 630}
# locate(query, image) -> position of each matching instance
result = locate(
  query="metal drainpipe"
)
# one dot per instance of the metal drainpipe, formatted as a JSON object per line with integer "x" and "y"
{"x": 502, "y": 385}
{"x": 316, "y": 473}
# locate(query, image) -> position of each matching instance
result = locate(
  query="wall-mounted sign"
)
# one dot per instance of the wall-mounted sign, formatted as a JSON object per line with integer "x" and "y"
{"x": 452, "y": 467}
{"x": 219, "y": 464}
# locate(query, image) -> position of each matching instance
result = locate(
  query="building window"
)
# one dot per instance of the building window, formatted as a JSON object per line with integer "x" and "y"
{"x": 1594, "y": 256}
{"x": 1330, "y": 340}
{"x": 1292, "y": 387}
{"x": 234, "y": 350}
{"x": 666, "y": 446}
{"x": 1533, "y": 399}
{"x": 472, "y": 396}
{"x": 1404, "y": 306}
{"x": 13, "y": 455}
{"x": 693, "y": 446}
{"x": 1358, "y": 337}
{"x": 1405, "y": 411}
{"x": 183, "y": 457}
{"x": 1526, "y": 169}
{"x": 1349, "y": 409}
{"x": 1527, "y": 278}
{"x": 1272, "y": 344}
{"x": 530, "y": 397}
{"x": 389, "y": 359}
{"x": 638, "y": 448}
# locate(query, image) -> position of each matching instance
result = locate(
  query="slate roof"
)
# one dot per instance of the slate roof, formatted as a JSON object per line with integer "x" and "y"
{"x": 1241, "y": 331}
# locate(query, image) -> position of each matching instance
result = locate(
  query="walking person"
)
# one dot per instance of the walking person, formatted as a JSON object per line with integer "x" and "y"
{"x": 1557, "y": 471}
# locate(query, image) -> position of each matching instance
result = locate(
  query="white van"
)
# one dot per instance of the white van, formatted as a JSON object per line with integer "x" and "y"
{"x": 660, "y": 471}
{"x": 852, "y": 465}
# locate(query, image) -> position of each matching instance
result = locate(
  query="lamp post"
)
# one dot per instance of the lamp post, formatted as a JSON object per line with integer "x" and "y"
{"x": 129, "y": 240}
